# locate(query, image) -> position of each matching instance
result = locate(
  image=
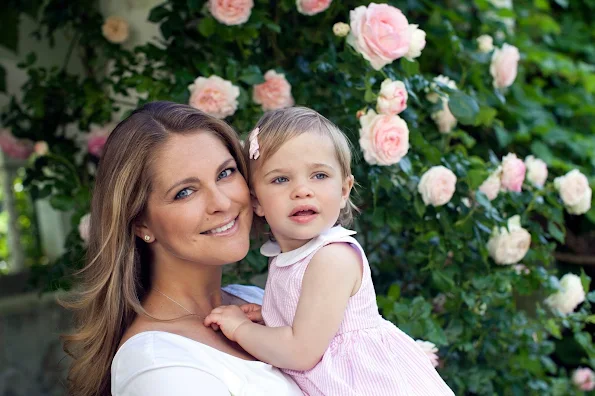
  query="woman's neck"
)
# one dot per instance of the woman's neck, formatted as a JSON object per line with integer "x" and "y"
{"x": 195, "y": 287}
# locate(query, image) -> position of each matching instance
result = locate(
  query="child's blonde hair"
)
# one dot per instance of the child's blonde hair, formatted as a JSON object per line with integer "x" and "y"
{"x": 279, "y": 126}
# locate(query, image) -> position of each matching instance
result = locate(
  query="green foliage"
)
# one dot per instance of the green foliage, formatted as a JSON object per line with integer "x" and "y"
{"x": 431, "y": 266}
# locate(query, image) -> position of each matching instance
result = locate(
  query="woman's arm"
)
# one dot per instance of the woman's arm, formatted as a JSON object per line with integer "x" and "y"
{"x": 333, "y": 275}
{"x": 179, "y": 381}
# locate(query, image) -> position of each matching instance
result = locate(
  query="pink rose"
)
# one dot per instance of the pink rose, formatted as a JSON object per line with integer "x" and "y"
{"x": 231, "y": 12}
{"x": 96, "y": 139}
{"x": 417, "y": 43}
{"x": 584, "y": 379}
{"x": 392, "y": 98}
{"x": 115, "y": 29}
{"x": 274, "y": 92}
{"x": 384, "y": 139}
{"x": 513, "y": 173}
{"x": 437, "y": 186}
{"x": 536, "y": 171}
{"x": 575, "y": 192}
{"x": 504, "y": 65}
{"x": 444, "y": 119}
{"x": 492, "y": 185}
{"x": 214, "y": 96}
{"x": 312, "y": 7}
{"x": 429, "y": 348}
{"x": 85, "y": 227}
{"x": 380, "y": 33}
{"x": 13, "y": 147}
{"x": 41, "y": 148}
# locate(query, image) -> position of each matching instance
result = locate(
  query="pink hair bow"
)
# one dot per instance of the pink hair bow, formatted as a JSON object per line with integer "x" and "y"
{"x": 254, "y": 147}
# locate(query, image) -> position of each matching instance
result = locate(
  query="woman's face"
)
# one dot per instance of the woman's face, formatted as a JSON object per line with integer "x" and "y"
{"x": 199, "y": 208}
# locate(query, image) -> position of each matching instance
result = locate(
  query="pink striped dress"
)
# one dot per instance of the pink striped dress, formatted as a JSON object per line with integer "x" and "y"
{"x": 369, "y": 355}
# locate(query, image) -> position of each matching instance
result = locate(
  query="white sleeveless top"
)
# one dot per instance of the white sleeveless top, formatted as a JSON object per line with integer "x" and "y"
{"x": 156, "y": 363}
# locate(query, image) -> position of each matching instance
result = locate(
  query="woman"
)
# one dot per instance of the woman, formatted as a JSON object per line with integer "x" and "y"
{"x": 170, "y": 208}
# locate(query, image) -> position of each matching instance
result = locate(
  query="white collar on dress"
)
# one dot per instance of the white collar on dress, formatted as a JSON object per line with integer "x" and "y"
{"x": 272, "y": 249}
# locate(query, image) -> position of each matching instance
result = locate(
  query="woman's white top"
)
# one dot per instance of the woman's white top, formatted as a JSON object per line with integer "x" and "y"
{"x": 157, "y": 363}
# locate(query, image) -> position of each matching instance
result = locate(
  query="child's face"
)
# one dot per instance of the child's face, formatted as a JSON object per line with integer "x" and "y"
{"x": 300, "y": 190}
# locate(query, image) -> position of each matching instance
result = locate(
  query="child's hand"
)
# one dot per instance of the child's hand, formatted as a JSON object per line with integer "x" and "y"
{"x": 228, "y": 318}
{"x": 253, "y": 312}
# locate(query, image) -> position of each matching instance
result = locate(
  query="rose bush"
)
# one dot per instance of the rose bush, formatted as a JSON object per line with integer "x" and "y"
{"x": 438, "y": 182}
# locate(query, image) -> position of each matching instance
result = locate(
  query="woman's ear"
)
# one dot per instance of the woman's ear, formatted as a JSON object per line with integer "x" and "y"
{"x": 142, "y": 231}
{"x": 258, "y": 210}
{"x": 346, "y": 189}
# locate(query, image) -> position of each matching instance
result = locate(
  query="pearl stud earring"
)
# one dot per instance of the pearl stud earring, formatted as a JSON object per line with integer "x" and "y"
{"x": 147, "y": 238}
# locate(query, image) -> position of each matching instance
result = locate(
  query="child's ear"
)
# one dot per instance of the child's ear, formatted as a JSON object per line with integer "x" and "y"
{"x": 258, "y": 210}
{"x": 346, "y": 190}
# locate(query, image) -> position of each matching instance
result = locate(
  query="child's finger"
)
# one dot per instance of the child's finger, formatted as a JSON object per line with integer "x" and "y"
{"x": 212, "y": 318}
{"x": 215, "y": 326}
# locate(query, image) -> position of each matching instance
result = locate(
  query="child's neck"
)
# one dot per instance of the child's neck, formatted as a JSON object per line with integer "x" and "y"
{"x": 287, "y": 245}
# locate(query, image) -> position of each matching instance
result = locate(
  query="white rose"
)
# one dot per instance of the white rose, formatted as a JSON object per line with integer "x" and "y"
{"x": 432, "y": 95}
{"x": 485, "y": 43}
{"x": 341, "y": 29}
{"x": 437, "y": 186}
{"x": 429, "y": 348}
{"x": 444, "y": 119}
{"x": 509, "y": 246}
{"x": 85, "y": 227}
{"x": 417, "y": 43}
{"x": 575, "y": 192}
{"x": 491, "y": 186}
{"x": 536, "y": 171}
{"x": 569, "y": 295}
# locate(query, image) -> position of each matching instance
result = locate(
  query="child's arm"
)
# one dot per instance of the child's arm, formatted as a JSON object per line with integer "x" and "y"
{"x": 333, "y": 275}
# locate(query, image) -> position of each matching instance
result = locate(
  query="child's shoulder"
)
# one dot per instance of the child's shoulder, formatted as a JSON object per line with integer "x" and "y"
{"x": 338, "y": 253}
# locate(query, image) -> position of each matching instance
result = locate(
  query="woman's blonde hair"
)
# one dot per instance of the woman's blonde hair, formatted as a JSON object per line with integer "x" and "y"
{"x": 117, "y": 274}
{"x": 279, "y": 126}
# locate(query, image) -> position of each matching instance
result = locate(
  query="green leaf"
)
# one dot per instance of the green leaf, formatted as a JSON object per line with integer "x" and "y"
{"x": 158, "y": 13}
{"x": 252, "y": 75}
{"x": 9, "y": 28}
{"x": 590, "y": 319}
{"x": 553, "y": 328}
{"x": 442, "y": 280}
{"x": 2, "y": 79}
{"x": 410, "y": 68}
{"x": 463, "y": 107}
{"x": 394, "y": 292}
{"x": 193, "y": 5}
{"x": 369, "y": 96}
{"x": 585, "y": 280}
{"x": 420, "y": 207}
{"x": 556, "y": 232}
{"x": 207, "y": 26}
{"x": 62, "y": 202}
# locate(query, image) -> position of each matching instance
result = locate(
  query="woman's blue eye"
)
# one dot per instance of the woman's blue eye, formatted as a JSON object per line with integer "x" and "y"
{"x": 184, "y": 193}
{"x": 320, "y": 176}
{"x": 226, "y": 173}
{"x": 280, "y": 179}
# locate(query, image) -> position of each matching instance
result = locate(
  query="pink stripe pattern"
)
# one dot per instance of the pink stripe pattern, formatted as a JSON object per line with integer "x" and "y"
{"x": 369, "y": 355}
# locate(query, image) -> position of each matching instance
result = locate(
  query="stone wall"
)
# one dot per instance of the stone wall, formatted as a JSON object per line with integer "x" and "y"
{"x": 31, "y": 358}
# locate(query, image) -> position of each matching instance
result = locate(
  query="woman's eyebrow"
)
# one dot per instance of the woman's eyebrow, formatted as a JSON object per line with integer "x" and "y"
{"x": 196, "y": 180}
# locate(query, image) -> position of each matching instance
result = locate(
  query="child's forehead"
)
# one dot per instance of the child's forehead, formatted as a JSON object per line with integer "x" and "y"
{"x": 304, "y": 146}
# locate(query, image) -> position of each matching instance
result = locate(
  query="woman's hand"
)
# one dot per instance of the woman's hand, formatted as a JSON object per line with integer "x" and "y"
{"x": 253, "y": 312}
{"x": 228, "y": 318}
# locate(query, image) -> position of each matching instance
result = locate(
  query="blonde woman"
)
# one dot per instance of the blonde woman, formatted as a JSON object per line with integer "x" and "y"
{"x": 170, "y": 208}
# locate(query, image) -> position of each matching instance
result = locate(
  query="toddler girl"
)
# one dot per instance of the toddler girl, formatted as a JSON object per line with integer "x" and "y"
{"x": 322, "y": 322}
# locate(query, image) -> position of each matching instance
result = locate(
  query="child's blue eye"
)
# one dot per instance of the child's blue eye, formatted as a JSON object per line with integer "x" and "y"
{"x": 226, "y": 173}
{"x": 280, "y": 179}
{"x": 185, "y": 193}
{"x": 320, "y": 176}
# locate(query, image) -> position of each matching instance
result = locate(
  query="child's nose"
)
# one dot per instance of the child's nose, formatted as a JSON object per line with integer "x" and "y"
{"x": 302, "y": 191}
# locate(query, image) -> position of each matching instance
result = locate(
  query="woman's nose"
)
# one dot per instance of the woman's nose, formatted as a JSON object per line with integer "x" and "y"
{"x": 302, "y": 191}
{"x": 218, "y": 201}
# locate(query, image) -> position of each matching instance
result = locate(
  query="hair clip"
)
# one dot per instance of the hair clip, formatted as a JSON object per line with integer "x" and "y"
{"x": 254, "y": 147}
